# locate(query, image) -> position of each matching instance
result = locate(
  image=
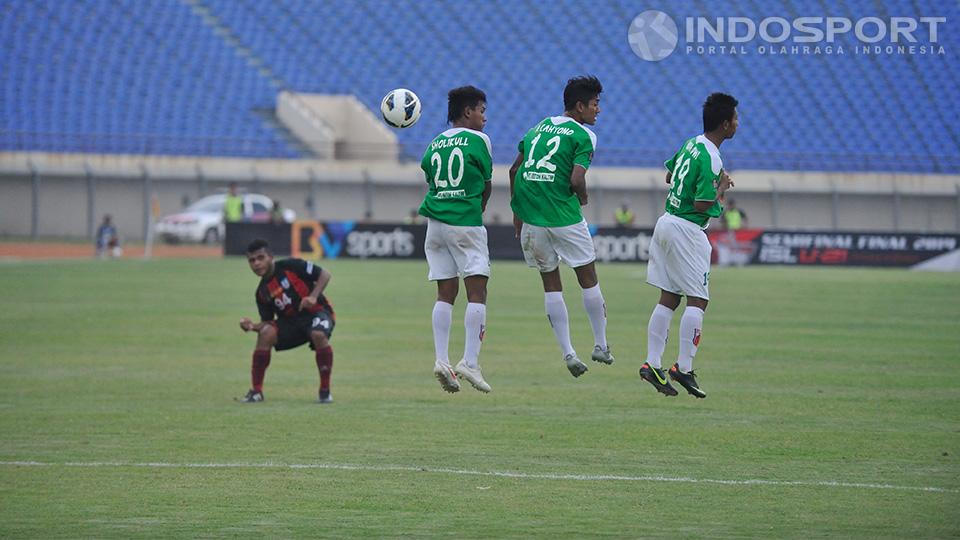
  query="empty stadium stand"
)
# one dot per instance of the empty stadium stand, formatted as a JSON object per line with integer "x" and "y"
{"x": 195, "y": 77}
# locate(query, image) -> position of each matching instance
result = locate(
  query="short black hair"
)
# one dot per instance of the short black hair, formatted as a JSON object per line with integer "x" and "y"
{"x": 717, "y": 108}
{"x": 460, "y": 98}
{"x": 257, "y": 245}
{"x": 580, "y": 90}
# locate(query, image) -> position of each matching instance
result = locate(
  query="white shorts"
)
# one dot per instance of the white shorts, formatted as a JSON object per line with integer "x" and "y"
{"x": 545, "y": 247}
{"x": 679, "y": 257}
{"x": 454, "y": 251}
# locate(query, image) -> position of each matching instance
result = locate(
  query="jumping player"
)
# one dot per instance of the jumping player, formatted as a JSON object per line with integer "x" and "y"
{"x": 293, "y": 311}
{"x": 458, "y": 168}
{"x": 547, "y": 188}
{"x": 679, "y": 250}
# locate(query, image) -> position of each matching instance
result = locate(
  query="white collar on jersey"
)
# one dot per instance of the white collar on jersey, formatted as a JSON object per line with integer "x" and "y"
{"x": 557, "y": 120}
{"x": 716, "y": 164}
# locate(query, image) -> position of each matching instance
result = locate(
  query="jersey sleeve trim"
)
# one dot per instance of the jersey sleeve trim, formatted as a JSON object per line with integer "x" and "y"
{"x": 486, "y": 140}
{"x": 716, "y": 164}
{"x": 593, "y": 136}
{"x": 557, "y": 120}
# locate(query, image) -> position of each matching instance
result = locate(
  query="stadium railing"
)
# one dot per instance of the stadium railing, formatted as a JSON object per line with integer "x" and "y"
{"x": 225, "y": 146}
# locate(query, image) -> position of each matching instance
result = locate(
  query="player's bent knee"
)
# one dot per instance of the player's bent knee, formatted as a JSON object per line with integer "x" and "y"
{"x": 476, "y": 286}
{"x": 319, "y": 339}
{"x": 587, "y": 275}
{"x": 268, "y": 330}
{"x": 268, "y": 333}
{"x": 447, "y": 290}
{"x": 551, "y": 280}
{"x": 477, "y": 297}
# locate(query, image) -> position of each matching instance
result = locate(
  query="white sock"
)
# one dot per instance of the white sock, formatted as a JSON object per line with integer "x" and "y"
{"x": 597, "y": 313}
{"x": 559, "y": 321}
{"x": 442, "y": 319}
{"x": 475, "y": 321}
{"x": 658, "y": 329}
{"x": 690, "y": 326}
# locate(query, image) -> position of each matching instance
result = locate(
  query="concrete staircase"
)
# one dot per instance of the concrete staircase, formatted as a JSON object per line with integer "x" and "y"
{"x": 225, "y": 32}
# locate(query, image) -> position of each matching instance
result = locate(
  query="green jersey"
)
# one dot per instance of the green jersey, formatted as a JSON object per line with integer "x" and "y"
{"x": 541, "y": 189}
{"x": 457, "y": 164}
{"x": 695, "y": 175}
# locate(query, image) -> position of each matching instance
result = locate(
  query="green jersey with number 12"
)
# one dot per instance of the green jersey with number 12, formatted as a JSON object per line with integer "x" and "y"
{"x": 541, "y": 189}
{"x": 457, "y": 164}
{"x": 695, "y": 175}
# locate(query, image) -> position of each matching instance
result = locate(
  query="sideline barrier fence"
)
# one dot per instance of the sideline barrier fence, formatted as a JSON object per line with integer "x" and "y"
{"x": 333, "y": 239}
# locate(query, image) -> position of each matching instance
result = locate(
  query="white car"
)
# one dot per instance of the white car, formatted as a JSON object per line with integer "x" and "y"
{"x": 202, "y": 221}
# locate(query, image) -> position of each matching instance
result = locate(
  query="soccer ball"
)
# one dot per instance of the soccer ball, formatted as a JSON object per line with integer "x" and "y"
{"x": 400, "y": 108}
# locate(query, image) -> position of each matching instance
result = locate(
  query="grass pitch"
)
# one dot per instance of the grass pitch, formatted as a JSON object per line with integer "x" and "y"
{"x": 833, "y": 410}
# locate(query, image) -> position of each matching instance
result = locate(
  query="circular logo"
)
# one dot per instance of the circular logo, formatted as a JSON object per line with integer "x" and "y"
{"x": 653, "y": 35}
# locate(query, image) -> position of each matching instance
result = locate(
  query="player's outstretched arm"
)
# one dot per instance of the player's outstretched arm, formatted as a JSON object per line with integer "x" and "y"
{"x": 246, "y": 324}
{"x": 249, "y": 326}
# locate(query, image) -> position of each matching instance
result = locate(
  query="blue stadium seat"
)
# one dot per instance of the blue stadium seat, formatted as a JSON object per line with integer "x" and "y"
{"x": 153, "y": 76}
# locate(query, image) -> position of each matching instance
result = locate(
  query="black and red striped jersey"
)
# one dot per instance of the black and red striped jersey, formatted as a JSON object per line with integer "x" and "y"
{"x": 280, "y": 293}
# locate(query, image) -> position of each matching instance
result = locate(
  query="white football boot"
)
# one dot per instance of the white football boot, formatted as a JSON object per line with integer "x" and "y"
{"x": 446, "y": 376}
{"x": 473, "y": 376}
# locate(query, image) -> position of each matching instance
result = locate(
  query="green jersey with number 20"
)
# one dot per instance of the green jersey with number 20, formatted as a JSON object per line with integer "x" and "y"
{"x": 457, "y": 164}
{"x": 541, "y": 189}
{"x": 695, "y": 175}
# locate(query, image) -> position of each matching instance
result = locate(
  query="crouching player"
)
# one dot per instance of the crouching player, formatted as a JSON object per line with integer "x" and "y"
{"x": 293, "y": 311}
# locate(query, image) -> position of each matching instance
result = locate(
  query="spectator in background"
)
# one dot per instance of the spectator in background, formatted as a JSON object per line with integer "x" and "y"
{"x": 623, "y": 216}
{"x": 734, "y": 218}
{"x": 276, "y": 213}
{"x": 729, "y": 250}
{"x": 233, "y": 206}
{"x": 107, "y": 241}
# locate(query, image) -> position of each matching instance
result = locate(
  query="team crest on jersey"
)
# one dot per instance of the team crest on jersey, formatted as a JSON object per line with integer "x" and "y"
{"x": 285, "y": 283}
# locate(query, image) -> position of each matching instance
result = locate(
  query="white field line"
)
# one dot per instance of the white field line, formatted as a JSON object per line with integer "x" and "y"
{"x": 468, "y": 472}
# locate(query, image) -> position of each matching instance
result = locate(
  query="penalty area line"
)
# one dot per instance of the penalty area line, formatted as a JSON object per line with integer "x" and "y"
{"x": 469, "y": 472}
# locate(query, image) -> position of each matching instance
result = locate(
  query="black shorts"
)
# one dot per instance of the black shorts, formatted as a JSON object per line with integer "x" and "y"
{"x": 295, "y": 331}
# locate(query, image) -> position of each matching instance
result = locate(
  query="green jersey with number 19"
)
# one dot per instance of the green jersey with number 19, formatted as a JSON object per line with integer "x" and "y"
{"x": 541, "y": 189}
{"x": 457, "y": 164}
{"x": 695, "y": 175}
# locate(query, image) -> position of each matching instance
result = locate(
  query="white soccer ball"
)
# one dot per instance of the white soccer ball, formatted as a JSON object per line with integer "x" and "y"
{"x": 400, "y": 108}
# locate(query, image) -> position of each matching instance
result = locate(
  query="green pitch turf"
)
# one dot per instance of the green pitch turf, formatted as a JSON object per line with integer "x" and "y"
{"x": 833, "y": 410}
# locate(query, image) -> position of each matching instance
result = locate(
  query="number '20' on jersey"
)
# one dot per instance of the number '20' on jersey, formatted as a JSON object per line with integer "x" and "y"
{"x": 457, "y": 164}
